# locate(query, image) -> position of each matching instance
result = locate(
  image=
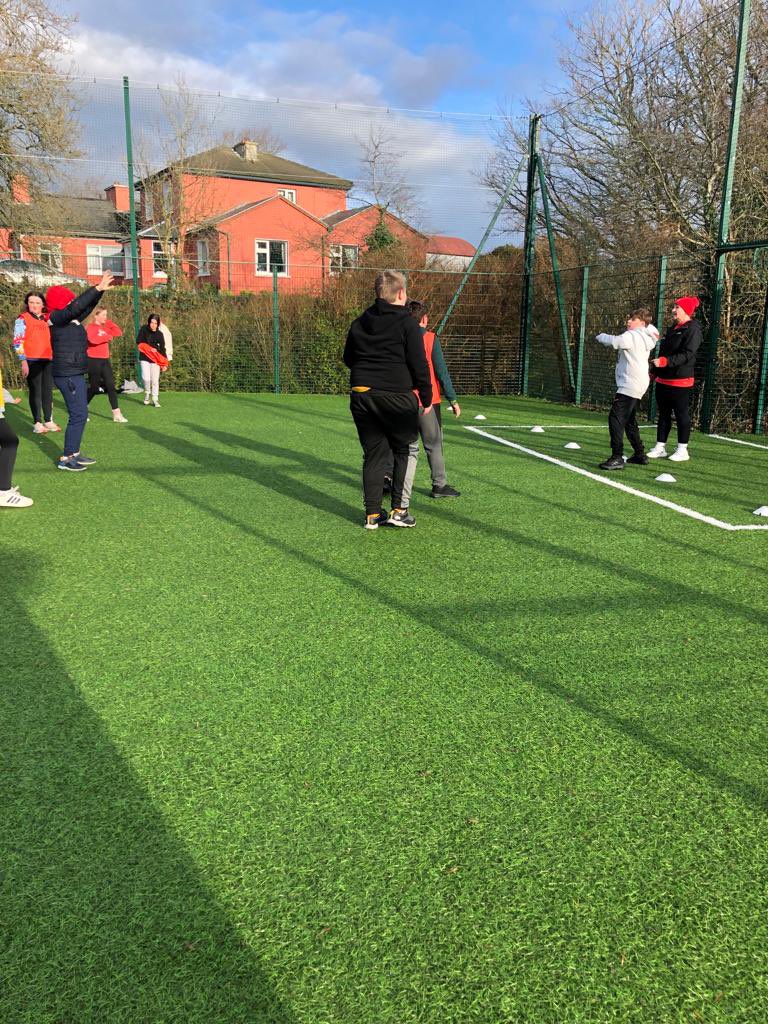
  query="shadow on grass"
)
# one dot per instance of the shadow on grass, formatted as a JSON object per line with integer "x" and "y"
{"x": 105, "y": 917}
{"x": 630, "y": 728}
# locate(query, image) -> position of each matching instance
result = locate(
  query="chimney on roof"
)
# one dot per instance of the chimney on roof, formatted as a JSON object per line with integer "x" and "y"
{"x": 118, "y": 196}
{"x": 20, "y": 189}
{"x": 247, "y": 150}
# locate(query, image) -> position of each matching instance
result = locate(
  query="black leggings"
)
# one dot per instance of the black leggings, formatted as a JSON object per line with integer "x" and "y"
{"x": 100, "y": 374}
{"x": 40, "y": 383}
{"x": 8, "y": 445}
{"x": 670, "y": 399}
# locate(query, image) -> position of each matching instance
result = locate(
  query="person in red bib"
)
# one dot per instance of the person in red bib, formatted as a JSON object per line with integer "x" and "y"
{"x": 673, "y": 370}
{"x": 100, "y": 333}
{"x": 32, "y": 345}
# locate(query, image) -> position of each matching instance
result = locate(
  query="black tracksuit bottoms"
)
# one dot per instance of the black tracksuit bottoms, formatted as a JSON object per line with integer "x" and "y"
{"x": 669, "y": 400}
{"x": 40, "y": 384}
{"x": 9, "y": 444}
{"x": 100, "y": 375}
{"x": 385, "y": 420}
{"x": 623, "y": 417}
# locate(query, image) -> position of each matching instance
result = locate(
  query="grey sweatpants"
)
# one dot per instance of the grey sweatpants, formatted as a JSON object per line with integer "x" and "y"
{"x": 431, "y": 433}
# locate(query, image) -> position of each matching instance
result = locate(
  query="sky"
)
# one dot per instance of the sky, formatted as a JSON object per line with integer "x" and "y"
{"x": 441, "y": 56}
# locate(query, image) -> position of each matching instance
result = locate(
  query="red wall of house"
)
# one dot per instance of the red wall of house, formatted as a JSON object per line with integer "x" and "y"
{"x": 207, "y": 196}
{"x": 355, "y": 230}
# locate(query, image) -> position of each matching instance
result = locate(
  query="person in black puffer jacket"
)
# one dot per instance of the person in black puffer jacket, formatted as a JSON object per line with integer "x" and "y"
{"x": 673, "y": 370}
{"x": 70, "y": 362}
{"x": 154, "y": 359}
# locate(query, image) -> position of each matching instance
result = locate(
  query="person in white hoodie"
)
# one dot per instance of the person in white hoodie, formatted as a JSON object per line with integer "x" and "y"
{"x": 632, "y": 380}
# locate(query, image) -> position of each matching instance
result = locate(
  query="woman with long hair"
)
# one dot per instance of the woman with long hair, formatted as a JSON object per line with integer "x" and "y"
{"x": 32, "y": 345}
{"x": 154, "y": 360}
{"x": 100, "y": 332}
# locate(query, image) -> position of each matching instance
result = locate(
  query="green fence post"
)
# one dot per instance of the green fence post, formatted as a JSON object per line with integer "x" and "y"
{"x": 763, "y": 376}
{"x": 556, "y": 275}
{"x": 708, "y": 401}
{"x": 661, "y": 288}
{"x": 132, "y": 219}
{"x": 529, "y": 251}
{"x": 275, "y": 330}
{"x": 582, "y": 334}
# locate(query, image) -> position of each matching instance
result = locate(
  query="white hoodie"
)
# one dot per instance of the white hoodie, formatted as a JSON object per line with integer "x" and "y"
{"x": 634, "y": 347}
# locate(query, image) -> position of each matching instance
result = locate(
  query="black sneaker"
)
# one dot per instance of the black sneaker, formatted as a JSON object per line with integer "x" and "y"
{"x": 615, "y": 462}
{"x": 446, "y": 491}
{"x": 71, "y": 464}
{"x": 387, "y": 485}
{"x": 84, "y": 460}
{"x": 375, "y": 520}
{"x": 400, "y": 517}
{"x": 639, "y": 459}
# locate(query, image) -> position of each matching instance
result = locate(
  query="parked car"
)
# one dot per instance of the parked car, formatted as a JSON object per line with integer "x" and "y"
{"x": 19, "y": 271}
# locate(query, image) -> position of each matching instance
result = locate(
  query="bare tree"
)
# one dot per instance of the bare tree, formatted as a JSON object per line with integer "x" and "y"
{"x": 382, "y": 181}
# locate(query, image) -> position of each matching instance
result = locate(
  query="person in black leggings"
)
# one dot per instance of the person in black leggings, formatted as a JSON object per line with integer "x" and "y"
{"x": 9, "y": 443}
{"x": 100, "y": 333}
{"x": 673, "y": 369}
{"x": 32, "y": 344}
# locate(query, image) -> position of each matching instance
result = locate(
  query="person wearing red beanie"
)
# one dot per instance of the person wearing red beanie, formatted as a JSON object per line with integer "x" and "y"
{"x": 673, "y": 370}
{"x": 69, "y": 343}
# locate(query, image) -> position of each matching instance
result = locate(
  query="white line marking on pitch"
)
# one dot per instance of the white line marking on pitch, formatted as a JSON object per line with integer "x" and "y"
{"x": 735, "y": 440}
{"x": 559, "y": 426}
{"x": 609, "y": 482}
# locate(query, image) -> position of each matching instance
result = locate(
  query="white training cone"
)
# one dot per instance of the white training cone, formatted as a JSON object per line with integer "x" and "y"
{"x": 762, "y": 511}
{"x": 537, "y": 430}
{"x": 666, "y": 478}
{"x": 479, "y": 416}
{"x": 573, "y": 446}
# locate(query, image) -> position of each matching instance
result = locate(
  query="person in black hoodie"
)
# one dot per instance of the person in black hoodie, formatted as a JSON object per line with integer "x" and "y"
{"x": 154, "y": 360}
{"x": 385, "y": 354}
{"x": 70, "y": 361}
{"x": 673, "y": 370}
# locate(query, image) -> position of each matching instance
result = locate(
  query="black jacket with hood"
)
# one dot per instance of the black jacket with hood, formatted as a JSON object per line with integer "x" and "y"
{"x": 385, "y": 352}
{"x": 678, "y": 348}
{"x": 68, "y": 338}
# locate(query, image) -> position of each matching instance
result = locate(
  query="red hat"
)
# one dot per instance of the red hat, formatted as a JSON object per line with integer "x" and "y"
{"x": 688, "y": 303}
{"x": 57, "y": 297}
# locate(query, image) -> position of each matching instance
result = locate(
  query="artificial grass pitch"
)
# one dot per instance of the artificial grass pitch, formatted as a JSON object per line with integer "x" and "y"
{"x": 260, "y": 765}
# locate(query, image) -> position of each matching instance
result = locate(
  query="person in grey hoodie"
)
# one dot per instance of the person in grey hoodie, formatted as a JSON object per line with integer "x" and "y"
{"x": 632, "y": 380}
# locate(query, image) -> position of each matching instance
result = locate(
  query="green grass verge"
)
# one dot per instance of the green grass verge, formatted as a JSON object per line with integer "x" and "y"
{"x": 261, "y": 765}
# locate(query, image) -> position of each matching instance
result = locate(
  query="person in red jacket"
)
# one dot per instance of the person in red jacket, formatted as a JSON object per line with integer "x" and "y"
{"x": 100, "y": 332}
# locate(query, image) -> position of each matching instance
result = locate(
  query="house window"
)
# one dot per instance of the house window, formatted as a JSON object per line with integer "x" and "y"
{"x": 271, "y": 256}
{"x": 104, "y": 257}
{"x": 159, "y": 260}
{"x": 343, "y": 257}
{"x": 49, "y": 254}
{"x": 128, "y": 262}
{"x": 167, "y": 198}
{"x": 203, "y": 267}
{"x": 287, "y": 193}
{"x": 149, "y": 206}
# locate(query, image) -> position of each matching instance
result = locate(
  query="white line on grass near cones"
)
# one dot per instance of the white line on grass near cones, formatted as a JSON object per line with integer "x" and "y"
{"x": 609, "y": 482}
{"x": 735, "y": 440}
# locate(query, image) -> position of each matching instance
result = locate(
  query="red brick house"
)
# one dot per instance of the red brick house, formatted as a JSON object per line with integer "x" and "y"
{"x": 228, "y": 217}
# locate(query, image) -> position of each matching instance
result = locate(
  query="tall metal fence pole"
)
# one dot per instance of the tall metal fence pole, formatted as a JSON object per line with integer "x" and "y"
{"x": 763, "y": 374}
{"x": 582, "y": 335}
{"x": 132, "y": 219}
{"x": 529, "y": 251}
{"x": 661, "y": 288}
{"x": 556, "y": 275}
{"x": 276, "y": 330}
{"x": 708, "y": 402}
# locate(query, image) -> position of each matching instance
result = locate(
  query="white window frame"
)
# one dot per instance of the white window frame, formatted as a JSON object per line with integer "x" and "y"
{"x": 128, "y": 272}
{"x": 288, "y": 193}
{"x": 49, "y": 254}
{"x": 336, "y": 262}
{"x": 94, "y": 258}
{"x": 157, "y": 251}
{"x": 267, "y": 242}
{"x": 203, "y": 259}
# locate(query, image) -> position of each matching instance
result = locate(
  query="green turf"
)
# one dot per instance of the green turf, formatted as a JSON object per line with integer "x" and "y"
{"x": 260, "y": 765}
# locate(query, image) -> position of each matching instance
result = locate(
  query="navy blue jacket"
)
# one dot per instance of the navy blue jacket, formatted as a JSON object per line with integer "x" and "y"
{"x": 68, "y": 338}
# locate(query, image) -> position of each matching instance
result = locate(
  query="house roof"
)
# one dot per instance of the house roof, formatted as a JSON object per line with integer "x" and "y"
{"x": 69, "y": 216}
{"x": 447, "y": 245}
{"x": 333, "y": 219}
{"x": 225, "y": 162}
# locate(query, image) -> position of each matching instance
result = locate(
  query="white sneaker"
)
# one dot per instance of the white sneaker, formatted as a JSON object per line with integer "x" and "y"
{"x": 146, "y": 400}
{"x": 37, "y": 429}
{"x": 658, "y": 451}
{"x": 12, "y": 499}
{"x": 54, "y": 427}
{"x": 156, "y": 404}
{"x": 119, "y": 418}
{"x": 680, "y": 454}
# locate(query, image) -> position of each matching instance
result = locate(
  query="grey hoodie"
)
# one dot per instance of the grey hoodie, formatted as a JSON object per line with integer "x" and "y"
{"x": 634, "y": 347}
